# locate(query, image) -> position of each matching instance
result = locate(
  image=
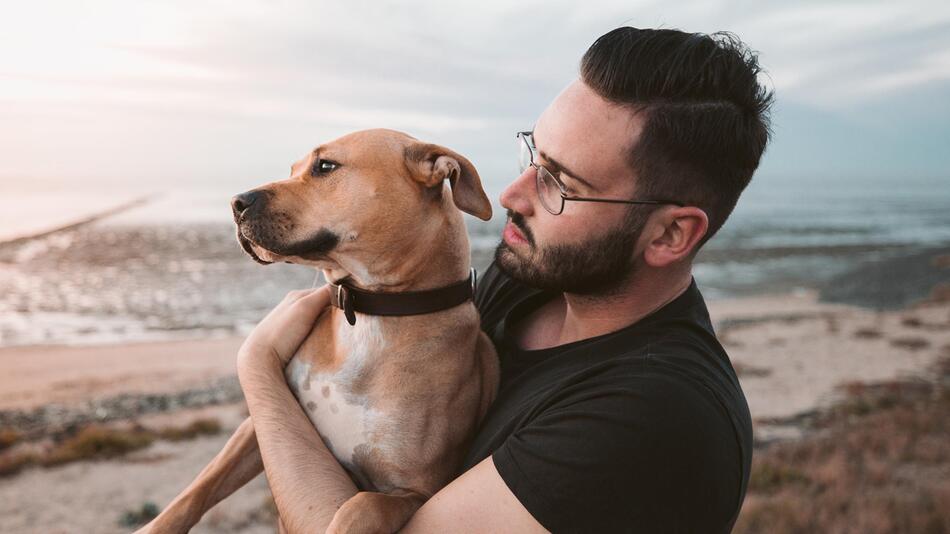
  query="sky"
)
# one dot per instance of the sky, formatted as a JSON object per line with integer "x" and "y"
{"x": 147, "y": 95}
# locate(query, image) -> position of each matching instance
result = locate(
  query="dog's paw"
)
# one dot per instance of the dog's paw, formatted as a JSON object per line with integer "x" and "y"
{"x": 369, "y": 512}
{"x": 356, "y": 516}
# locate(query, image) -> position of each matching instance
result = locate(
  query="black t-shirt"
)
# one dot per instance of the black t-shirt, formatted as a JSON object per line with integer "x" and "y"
{"x": 644, "y": 429}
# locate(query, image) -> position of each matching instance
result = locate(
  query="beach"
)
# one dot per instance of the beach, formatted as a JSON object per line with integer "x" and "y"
{"x": 119, "y": 333}
{"x": 793, "y": 354}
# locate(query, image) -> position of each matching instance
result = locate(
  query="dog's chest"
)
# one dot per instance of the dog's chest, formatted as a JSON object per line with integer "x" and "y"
{"x": 347, "y": 421}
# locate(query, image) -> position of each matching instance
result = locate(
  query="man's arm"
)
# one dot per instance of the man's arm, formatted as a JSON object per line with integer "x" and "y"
{"x": 307, "y": 482}
{"x": 309, "y": 485}
{"x": 477, "y": 501}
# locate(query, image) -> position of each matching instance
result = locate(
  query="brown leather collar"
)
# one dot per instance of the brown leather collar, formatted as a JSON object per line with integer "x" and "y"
{"x": 352, "y": 300}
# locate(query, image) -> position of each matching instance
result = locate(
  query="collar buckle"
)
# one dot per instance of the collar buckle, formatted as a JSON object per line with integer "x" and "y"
{"x": 345, "y": 298}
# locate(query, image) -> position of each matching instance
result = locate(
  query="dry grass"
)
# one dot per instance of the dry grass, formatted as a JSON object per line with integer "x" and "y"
{"x": 868, "y": 333}
{"x": 939, "y": 294}
{"x": 911, "y": 342}
{"x": 878, "y": 462}
{"x": 745, "y": 370}
{"x": 135, "y": 518}
{"x": 8, "y": 438}
{"x": 11, "y": 464}
{"x": 98, "y": 442}
{"x": 198, "y": 427}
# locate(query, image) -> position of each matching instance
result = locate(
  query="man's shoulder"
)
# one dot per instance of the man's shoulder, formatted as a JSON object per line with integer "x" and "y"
{"x": 676, "y": 386}
{"x": 681, "y": 381}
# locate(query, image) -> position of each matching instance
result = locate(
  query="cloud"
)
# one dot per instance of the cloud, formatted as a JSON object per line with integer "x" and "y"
{"x": 104, "y": 86}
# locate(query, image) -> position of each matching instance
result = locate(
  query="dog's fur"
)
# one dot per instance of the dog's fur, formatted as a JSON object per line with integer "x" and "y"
{"x": 396, "y": 399}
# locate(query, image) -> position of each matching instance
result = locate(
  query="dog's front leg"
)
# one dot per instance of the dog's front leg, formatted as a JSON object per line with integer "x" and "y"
{"x": 237, "y": 463}
{"x": 369, "y": 512}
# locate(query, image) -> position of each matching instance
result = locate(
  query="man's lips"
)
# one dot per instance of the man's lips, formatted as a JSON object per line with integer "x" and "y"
{"x": 512, "y": 235}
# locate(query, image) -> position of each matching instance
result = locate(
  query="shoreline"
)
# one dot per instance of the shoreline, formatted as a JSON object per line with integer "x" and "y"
{"x": 895, "y": 282}
{"x": 917, "y": 275}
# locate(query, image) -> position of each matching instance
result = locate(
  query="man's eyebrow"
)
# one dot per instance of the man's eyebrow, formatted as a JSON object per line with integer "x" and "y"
{"x": 559, "y": 166}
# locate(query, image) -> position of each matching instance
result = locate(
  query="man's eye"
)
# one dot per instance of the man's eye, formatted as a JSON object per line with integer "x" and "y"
{"x": 567, "y": 186}
{"x": 325, "y": 166}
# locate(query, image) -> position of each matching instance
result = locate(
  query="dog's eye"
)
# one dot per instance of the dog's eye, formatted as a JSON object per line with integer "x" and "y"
{"x": 324, "y": 166}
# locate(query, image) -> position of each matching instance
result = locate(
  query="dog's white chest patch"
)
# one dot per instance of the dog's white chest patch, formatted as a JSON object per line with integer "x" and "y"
{"x": 344, "y": 419}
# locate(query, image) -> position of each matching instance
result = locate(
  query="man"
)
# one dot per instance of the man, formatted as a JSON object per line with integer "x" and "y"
{"x": 618, "y": 410}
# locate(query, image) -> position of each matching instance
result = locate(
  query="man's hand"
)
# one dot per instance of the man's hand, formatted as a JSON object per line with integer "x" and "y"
{"x": 281, "y": 332}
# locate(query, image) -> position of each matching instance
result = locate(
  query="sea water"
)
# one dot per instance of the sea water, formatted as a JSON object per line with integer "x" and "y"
{"x": 173, "y": 268}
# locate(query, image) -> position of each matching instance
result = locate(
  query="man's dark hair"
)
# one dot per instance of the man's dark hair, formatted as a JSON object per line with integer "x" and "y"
{"x": 706, "y": 115}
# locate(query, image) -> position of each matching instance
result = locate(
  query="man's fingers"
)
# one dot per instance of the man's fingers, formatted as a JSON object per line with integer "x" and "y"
{"x": 313, "y": 300}
{"x": 286, "y": 327}
{"x": 302, "y": 305}
{"x": 290, "y": 298}
{"x": 293, "y": 296}
{"x": 291, "y": 325}
{"x": 296, "y": 294}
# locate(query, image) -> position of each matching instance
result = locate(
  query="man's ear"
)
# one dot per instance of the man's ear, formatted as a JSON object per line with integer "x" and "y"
{"x": 432, "y": 164}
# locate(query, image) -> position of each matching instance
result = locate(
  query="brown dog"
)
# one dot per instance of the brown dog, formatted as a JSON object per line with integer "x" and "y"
{"x": 396, "y": 399}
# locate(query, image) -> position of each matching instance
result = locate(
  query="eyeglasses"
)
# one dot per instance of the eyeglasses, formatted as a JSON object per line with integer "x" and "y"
{"x": 551, "y": 191}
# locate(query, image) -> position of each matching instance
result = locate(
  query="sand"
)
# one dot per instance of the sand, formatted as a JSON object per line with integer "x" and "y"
{"x": 37, "y": 375}
{"x": 792, "y": 352}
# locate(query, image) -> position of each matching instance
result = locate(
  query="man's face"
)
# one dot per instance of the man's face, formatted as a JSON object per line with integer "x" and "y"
{"x": 590, "y": 247}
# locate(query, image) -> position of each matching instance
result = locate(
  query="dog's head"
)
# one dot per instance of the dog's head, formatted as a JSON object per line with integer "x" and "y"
{"x": 363, "y": 194}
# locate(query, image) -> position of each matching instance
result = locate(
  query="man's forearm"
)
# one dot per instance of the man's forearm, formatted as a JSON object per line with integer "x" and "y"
{"x": 307, "y": 482}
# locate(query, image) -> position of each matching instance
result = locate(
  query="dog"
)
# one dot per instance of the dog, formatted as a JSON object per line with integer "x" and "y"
{"x": 396, "y": 398}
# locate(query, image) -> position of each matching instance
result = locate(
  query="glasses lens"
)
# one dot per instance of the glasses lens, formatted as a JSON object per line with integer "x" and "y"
{"x": 548, "y": 192}
{"x": 524, "y": 153}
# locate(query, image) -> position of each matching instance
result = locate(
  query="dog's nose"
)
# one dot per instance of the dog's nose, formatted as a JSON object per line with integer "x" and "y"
{"x": 241, "y": 202}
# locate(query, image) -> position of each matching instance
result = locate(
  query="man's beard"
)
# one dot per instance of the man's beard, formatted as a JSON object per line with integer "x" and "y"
{"x": 595, "y": 267}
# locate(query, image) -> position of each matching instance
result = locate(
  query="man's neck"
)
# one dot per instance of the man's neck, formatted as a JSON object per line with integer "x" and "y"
{"x": 571, "y": 317}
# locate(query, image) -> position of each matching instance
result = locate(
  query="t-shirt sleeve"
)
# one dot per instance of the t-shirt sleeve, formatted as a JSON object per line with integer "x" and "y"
{"x": 650, "y": 456}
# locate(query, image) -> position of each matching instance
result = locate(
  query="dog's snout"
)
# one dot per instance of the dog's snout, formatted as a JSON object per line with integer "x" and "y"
{"x": 240, "y": 203}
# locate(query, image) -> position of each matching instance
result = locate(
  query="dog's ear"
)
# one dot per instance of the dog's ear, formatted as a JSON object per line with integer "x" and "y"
{"x": 432, "y": 164}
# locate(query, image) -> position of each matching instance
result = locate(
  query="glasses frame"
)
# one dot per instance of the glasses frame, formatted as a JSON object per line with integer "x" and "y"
{"x": 539, "y": 169}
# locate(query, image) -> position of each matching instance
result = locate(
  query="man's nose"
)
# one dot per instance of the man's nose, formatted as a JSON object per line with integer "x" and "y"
{"x": 520, "y": 195}
{"x": 241, "y": 203}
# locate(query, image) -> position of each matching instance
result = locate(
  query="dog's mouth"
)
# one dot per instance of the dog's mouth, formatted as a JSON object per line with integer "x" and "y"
{"x": 248, "y": 247}
{"x": 314, "y": 248}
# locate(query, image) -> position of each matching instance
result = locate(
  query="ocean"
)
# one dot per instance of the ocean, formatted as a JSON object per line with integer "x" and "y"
{"x": 172, "y": 268}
